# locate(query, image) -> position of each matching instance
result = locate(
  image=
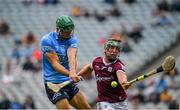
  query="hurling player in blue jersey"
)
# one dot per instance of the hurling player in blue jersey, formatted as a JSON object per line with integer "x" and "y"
{"x": 59, "y": 64}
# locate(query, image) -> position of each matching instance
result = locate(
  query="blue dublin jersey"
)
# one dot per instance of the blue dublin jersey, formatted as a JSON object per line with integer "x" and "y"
{"x": 51, "y": 43}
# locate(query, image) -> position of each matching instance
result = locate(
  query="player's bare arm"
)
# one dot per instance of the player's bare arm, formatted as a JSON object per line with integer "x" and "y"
{"x": 87, "y": 69}
{"x": 72, "y": 64}
{"x": 54, "y": 60}
{"x": 122, "y": 79}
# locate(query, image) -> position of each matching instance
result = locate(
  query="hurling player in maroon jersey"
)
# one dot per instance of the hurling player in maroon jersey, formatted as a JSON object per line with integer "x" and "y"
{"x": 107, "y": 69}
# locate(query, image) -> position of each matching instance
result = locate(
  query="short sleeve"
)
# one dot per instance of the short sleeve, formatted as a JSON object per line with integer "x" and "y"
{"x": 73, "y": 42}
{"x": 46, "y": 45}
{"x": 120, "y": 67}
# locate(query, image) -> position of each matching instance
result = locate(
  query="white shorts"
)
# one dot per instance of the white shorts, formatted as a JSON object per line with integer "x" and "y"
{"x": 112, "y": 106}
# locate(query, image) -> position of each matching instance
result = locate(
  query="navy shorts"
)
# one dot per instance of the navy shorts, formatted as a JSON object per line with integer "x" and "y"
{"x": 67, "y": 92}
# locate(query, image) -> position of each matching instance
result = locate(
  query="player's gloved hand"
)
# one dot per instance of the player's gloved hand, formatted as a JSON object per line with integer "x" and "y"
{"x": 75, "y": 77}
{"x": 126, "y": 85}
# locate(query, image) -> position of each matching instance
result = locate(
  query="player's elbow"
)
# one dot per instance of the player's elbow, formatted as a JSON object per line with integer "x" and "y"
{"x": 89, "y": 66}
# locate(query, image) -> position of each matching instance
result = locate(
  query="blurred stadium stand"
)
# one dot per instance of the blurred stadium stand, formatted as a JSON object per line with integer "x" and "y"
{"x": 40, "y": 19}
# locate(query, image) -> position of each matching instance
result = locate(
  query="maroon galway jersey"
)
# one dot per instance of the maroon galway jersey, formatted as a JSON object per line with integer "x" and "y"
{"x": 105, "y": 74}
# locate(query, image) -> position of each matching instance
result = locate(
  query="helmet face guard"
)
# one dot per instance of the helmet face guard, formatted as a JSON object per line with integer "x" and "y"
{"x": 112, "y": 49}
{"x": 65, "y": 35}
{"x": 64, "y": 26}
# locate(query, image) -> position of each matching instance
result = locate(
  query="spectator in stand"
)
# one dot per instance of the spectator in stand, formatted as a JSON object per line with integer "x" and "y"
{"x": 163, "y": 5}
{"x": 172, "y": 5}
{"x": 150, "y": 89}
{"x": 140, "y": 96}
{"x": 53, "y": 2}
{"x": 5, "y": 102}
{"x": 136, "y": 33}
{"x": 165, "y": 96}
{"x": 163, "y": 21}
{"x": 126, "y": 48}
{"x": 114, "y": 11}
{"x": 111, "y": 2}
{"x": 175, "y": 5}
{"x": 161, "y": 85}
{"x": 4, "y": 27}
{"x": 29, "y": 103}
{"x": 100, "y": 16}
{"x": 28, "y": 65}
{"x": 86, "y": 13}
{"x": 29, "y": 38}
{"x": 15, "y": 104}
{"x": 16, "y": 52}
{"x": 8, "y": 77}
{"x": 173, "y": 105}
{"x": 44, "y": 2}
{"x": 129, "y": 1}
{"x": 76, "y": 11}
{"x": 159, "y": 18}
{"x": 115, "y": 34}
